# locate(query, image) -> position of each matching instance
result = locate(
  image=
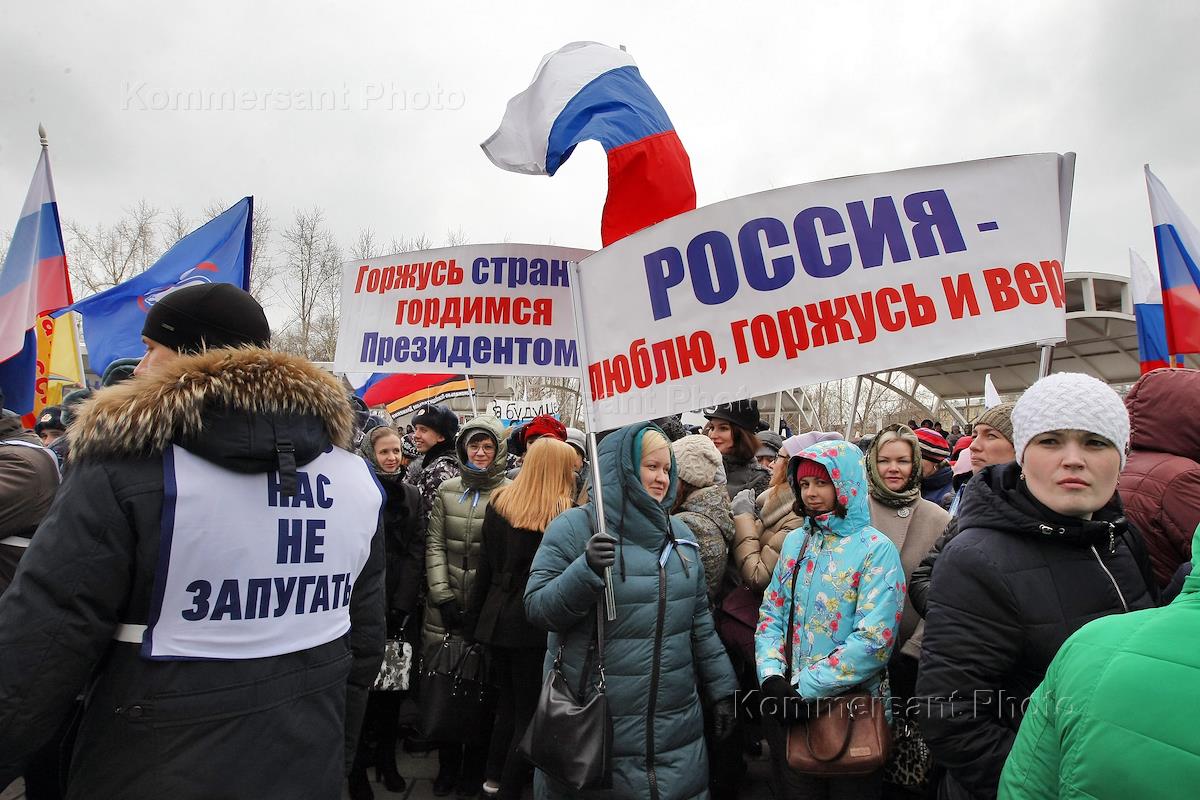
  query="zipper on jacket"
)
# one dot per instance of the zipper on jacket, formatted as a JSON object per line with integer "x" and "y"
{"x": 1110, "y": 577}
{"x": 651, "y": 776}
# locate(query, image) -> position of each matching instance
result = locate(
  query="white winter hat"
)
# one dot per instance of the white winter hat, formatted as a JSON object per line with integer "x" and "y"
{"x": 697, "y": 460}
{"x": 1070, "y": 401}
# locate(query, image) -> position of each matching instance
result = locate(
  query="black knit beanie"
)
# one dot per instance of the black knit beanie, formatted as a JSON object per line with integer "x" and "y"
{"x": 208, "y": 315}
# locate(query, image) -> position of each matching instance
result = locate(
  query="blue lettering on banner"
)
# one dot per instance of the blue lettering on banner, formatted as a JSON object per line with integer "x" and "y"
{"x": 302, "y": 591}
{"x": 229, "y": 601}
{"x": 820, "y": 237}
{"x": 514, "y": 271}
{"x": 283, "y": 594}
{"x": 299, "y": 541}
{"x": 329, "y": 592}
{"x": 455, "y": 351}
{"x": 201, "y": 590}
{"x": 320, "y": 595}
{"x": 303, "y": 496}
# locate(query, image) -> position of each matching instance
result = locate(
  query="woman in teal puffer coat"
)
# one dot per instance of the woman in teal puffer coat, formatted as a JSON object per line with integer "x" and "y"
{"x": 662, "y": 640}
{"x": 849, "y": 598}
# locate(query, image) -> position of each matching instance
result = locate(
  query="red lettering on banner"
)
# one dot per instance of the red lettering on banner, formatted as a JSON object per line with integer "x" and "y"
{"x": 738, "y": 329}
{"x": 921, "y": 310}
{"x": 1030, "y": 284}
{"x": 960, "y": 295}
{"x": 891, "y": 321}
{"x": 1000, "y": 289}
{"x": 793, "y": 331}
{"x": 765, "y": 336}
{"x": 1054, "y": 280}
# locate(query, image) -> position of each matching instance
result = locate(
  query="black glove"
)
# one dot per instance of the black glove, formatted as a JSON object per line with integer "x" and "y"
{"x": 781, "y": 700}
{"x": 452, "y": 616}
{"x": 601, "y": 552}
{"x": 722, "y": 718}
{"x": 397, "y": 620}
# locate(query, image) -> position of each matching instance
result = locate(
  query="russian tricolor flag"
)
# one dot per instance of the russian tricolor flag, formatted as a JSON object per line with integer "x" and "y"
{"x": 33, "y": 281}
{"x": 1148, "y": 311}
{"x": 588, "y": 90}
{"x": 1178, "y": 246}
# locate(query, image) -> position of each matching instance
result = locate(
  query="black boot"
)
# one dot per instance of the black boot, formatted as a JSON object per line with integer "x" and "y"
{"x": 360, "y": 786}
{"x": 385, "y": 765}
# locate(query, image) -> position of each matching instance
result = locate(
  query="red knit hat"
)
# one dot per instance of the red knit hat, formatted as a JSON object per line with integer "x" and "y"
{"x": 934, "y": 446}
{"x": 807, "y": 468}
{"x": 545, "y": 425}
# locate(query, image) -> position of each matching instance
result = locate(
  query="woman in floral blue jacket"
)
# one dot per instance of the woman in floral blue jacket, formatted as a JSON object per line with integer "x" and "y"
{"x": 849, "y": 599}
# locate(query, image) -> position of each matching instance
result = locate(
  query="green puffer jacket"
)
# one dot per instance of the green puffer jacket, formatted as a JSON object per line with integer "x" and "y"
{"x": 1115, "y": 716}
{"x": 661, "y": 642}
{"x": 455, "y": 525}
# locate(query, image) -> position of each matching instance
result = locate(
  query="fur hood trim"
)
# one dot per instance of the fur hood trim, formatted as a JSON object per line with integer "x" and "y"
{"x": 143, "y": 415}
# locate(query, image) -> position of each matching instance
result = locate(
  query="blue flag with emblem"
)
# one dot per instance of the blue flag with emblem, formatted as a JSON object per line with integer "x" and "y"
{"x": 216, "y": 252}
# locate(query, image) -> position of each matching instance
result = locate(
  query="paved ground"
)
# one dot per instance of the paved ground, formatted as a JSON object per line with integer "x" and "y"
{"x": 419, "y": 771}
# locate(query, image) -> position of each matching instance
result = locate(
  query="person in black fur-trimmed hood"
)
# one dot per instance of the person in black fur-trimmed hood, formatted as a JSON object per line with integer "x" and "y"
{"x": 1043, "y": 548}
{"x": 210, "y": 574}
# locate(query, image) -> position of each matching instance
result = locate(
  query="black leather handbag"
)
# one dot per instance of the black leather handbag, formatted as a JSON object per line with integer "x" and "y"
{"x": 570, "y": 740}
{"x": 456, "y": 695}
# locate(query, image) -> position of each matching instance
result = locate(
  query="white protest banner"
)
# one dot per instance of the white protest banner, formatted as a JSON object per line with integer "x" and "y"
{"x": 491, "y": 309}
{"x": 514, "y": 412}
{"x": 824, "y": 281}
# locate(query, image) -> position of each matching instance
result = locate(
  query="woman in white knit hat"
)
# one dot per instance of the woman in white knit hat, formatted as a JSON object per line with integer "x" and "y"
{"x": 1043, "y": 548}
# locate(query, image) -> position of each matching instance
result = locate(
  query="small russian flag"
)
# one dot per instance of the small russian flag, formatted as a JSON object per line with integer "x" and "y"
{"x": 587, "y": 90}
{"x": 1148, "y": 311}
{"x": 33, "y": 281}
{"x": 1178, "y": 246}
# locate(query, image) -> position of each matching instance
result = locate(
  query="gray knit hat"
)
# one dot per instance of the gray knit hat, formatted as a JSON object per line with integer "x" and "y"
{"x": 1070, "y": 401}
{"x": 1000, "y": 418}
{"x": 697, "y": 459}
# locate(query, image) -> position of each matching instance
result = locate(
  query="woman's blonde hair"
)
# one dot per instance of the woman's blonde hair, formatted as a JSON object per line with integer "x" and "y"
{"x": 543, "y": 488}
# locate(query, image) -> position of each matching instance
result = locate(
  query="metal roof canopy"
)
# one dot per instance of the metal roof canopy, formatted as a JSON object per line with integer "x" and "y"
{"x": 1101, "y": 341}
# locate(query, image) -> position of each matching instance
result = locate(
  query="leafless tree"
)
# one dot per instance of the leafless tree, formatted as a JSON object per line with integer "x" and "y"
{"x": 176, "y": 226}
{"x": 410, "y": 244}
{"x": 262, "y": 266}
{"x": 103, "y": 256}
{"x": 455, "y": 237}
{"x": 365, "y": 246}
{"x": 311, "y": 272}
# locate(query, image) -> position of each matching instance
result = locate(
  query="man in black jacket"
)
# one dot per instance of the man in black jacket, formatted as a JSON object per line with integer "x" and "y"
{"x": 210, "y": 573}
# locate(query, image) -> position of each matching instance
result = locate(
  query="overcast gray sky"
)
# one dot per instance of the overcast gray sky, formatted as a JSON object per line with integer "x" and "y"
{"x": 763, "y": 95}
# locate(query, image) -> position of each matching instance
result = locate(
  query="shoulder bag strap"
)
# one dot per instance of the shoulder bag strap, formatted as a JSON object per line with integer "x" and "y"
{"x": 787, "y": 634}
{"x": 600, "y": 646}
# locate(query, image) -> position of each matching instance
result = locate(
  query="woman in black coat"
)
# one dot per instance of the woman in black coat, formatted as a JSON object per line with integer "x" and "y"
{"x": 1043, "y": 549}
{"x": 404, "y": 537}
{"x": 513, "y": 524}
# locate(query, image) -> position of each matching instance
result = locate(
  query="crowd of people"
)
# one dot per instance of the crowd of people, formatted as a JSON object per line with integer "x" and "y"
{"x": 204, "y": 562}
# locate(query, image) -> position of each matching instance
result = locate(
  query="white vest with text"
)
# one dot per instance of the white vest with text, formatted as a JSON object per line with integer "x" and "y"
{"x": 246, "y": 572}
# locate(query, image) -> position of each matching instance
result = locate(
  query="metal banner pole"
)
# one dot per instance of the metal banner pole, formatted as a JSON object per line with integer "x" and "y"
{"x": 853, "y": 407}
{"x": 474, "y": 407}
{"x": 1046, "y": 362}
{"x": 596, "y": 494}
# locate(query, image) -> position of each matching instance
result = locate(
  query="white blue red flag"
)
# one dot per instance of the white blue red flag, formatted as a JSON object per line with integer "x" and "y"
{"x": 1148, "y": 311}
{"x": 33, "y": 281}
{"x": 1178, "y": 246}
{"x": 588, "y": 90}
{"x": 216, "y": 252}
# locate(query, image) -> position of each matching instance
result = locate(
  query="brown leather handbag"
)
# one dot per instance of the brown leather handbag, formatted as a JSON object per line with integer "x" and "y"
{"x": 844, "y": 735}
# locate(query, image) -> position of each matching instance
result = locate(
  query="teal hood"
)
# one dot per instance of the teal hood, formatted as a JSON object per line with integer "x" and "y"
{"x": 844, "y": 462}
{"x": 629, "y": 510}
